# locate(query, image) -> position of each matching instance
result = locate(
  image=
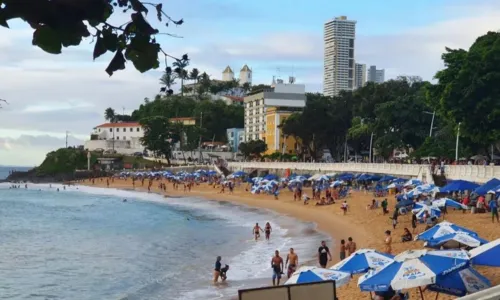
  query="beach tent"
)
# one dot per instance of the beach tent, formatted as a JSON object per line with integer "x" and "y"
{"x": 490, "y": 185}
{"x": 459, "y": 186}
{"x": 363, "y": 260}
{"x": 487, "y": 254}
{"x": 313, "y": 274}
{"x": 446, "y": 202}
{"x": 460, "y": 283}
{"x": 441, "y": 229}
{"x": 456, "y": 240}
{"x": 414, "y": 268}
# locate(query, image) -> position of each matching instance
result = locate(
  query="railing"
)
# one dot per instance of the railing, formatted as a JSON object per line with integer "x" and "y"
{"x": 465, "y": 172}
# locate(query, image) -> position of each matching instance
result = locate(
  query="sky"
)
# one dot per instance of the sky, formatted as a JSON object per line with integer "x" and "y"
{"x": 50, "y": 95}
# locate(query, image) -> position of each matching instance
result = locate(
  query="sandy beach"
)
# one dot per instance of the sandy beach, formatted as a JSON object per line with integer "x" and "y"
{"x": 366, "y": 227}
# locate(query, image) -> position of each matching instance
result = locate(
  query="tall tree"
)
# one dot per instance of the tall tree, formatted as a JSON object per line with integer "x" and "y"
{"x": 110, "y": 115}
{"x": 468, "y": 91}
{"x": 180, "y": 71}
{"x": 159, "y": 136}
{"x": 194, "y": 75}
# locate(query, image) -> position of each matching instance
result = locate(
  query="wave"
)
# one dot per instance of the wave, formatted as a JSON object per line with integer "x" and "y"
{"x": 247, "y": 268}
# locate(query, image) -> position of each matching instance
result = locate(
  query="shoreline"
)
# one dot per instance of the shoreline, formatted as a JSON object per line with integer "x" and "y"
{"x": 365, "y": 226}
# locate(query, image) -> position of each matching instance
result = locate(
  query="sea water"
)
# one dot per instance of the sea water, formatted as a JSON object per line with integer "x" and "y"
{"x": 87, "y": 243}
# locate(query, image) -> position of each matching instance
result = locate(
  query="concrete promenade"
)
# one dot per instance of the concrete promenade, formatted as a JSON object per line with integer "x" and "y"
{"x": 474, "y": 173}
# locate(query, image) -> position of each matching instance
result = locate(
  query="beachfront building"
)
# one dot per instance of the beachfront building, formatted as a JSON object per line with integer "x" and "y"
{"x": 359, "y": 76}
{"x": 339, "y": 36}
{"x": 275, "y": 140}
{"x": 124, "y": 138}
{"x": 376, "y": 75}
{"x": 285, "y": 97}
{"x": 235, "y": 136}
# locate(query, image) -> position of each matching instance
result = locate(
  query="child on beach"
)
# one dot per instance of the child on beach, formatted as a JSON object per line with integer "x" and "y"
{"x": 388, "y": 242}
{"x": 344, "y": 207}
{"x": 342, "y": 250}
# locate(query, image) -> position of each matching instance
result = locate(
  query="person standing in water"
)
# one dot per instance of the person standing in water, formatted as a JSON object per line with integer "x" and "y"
{"x": 292, "y": 260}
{"x": 217, "y": 268}
{"x": 257, "y": 230}
{"x": 268, "y": 230}
{"x": 277, "y": 265}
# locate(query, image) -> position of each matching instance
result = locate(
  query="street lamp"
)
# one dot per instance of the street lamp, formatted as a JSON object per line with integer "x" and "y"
{"x": 432, "y": 121}
{"x": 456, "y": 146}
{"x": 371, "y": 147}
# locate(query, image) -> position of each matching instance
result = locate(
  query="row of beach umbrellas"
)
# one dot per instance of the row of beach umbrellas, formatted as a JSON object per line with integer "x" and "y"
{"x": 443, "y": 271}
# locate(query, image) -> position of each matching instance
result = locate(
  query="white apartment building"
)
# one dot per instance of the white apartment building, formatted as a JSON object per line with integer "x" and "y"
{"x": 124, "y": 137}
{"x": 376, "y": 75}
{"x": 339, "y": 37}
{"x": 289, "y": 96}
{"x": 359, "y": 75}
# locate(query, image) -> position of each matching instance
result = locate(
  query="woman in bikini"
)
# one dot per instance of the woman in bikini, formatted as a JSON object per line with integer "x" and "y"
{"x": 267, "y": 230}
{"x": 388, "y": 242}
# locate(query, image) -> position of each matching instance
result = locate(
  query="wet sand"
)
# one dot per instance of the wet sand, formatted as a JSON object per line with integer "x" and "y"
{"x": 366, "y": 227}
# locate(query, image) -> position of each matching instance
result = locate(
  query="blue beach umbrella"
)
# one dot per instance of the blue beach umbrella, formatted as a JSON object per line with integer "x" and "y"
{"x": 413, "y": 182}
{"x": 455, "y": 240}
{"x": 460, "y": 283}
{"x": 487, "y": 254}
{"x": 414, "y": 268}
{"x": 446, "y": 202}
{"x": 363, "y": 260}
{"x": 459, "y": 185}
{"x": 442, "y": 229}
{"x": 312, "y": 274}
{"x": 432, "y": 211}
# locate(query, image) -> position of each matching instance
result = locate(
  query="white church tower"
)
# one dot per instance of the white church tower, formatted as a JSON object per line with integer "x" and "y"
{"x": 245, "y": 75}
{"x": 227, "y": 74}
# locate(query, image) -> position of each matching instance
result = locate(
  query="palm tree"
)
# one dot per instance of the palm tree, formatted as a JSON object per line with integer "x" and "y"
{"x": 180, "y": 66}
{"x": 110, "y": 115}
{"x": 168, "y": 80}
{"x": 194, "y": 75}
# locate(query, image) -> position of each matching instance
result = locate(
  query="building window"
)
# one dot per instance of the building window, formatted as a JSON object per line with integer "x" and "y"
{"x": 111, "y": 130}
{"x": 232, "y": 134}
{"x": 131, "y": 129}
{"x": 117, "y": 129}
{"x": 138, "y": 129}
{"x": 117, "y": 137}
{"x": 99, "y": 129}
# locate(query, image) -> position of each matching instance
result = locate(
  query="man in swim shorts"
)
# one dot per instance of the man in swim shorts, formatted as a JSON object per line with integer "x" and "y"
{"x": 277, "y": 265}
{"x": 292, "y": 260}
{"x": 257, "y": 230}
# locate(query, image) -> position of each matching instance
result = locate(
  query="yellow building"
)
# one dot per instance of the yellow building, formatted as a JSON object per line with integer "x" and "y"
{"x": 188, "y": 121}
{"x": 273, "y": 136}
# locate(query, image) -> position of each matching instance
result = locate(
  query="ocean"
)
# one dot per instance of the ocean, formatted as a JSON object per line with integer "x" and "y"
{"x": 87, "y": 243}
{"x": 4, "y": 170}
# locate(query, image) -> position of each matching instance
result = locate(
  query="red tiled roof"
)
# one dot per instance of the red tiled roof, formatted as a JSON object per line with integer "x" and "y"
{"x": 235, "y": 98}
{"x": 123, "y": 124}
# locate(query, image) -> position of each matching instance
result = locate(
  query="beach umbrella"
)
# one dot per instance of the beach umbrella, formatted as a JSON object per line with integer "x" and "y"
{"x": 455, "y": 240}
{"x": 432, "y": 211}
{"x": 441, "y": 229}
{"x": 386, "y": 178}
{"x": 491, "y": 184}
{"x": 392, "y": 186}
{"x": 336, "y": 183}
{"x": 487, "y": 254}
{"x": 363, "y": 260}
{"x": 460, "y": 283}
{"x": 413, "y": 182}
{"x": 459, "y": 185}
{"x": 323, "y": 178}
{"x": 414, "y": 268}
{"x": 446, "y": 202}
{"x": 313, "y": 274}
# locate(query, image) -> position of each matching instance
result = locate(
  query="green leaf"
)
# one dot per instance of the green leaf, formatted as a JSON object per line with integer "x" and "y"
{"x": 145, "y": 57}
{"x": 138, "y": 6}
{"x": 117, "y": 63}
{"x": 159, "y": 8}
{"x": 99, "y": 48}
{"x": 47, "y": 39}
{"x": 110, "y": 40}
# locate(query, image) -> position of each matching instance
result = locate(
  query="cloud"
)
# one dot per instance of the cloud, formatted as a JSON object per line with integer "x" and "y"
{"x": 55, "y": 93}
{"x": 29, "y": 150}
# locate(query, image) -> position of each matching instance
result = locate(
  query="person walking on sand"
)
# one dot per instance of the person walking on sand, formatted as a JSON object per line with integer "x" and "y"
{"x": 256, "y": 231}
{"x": 350, "y": 247}
{"x": 388, "y": 242}
{"x": 217, "y": 268}
{"x": 493, "y": 204}
{"x": 324, "y": 254}
{"x": 342, "y": 250}
{"x": 277, "y": 265}
{"x": 292, "y": 260}
{"x": 268, "y": 230}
